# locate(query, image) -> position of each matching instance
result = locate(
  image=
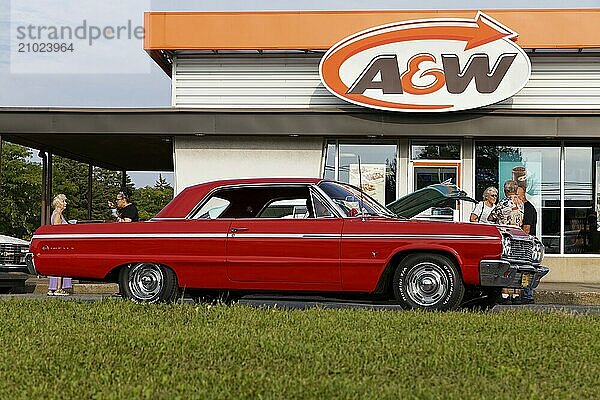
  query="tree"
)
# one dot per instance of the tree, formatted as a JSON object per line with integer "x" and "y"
{"x": 70, "y": 178}
{"x": 105, "y": 186}
{"x": 150, "y": 200}
{"x": 162, "y": 183}
{"x": 20, "y": 192}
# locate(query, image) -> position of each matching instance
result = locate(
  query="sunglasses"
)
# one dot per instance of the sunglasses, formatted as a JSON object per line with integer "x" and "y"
{"x": 493, "y": 195}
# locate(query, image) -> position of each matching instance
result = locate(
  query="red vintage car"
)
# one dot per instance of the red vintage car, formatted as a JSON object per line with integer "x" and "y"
{"x": 295, "y": 235}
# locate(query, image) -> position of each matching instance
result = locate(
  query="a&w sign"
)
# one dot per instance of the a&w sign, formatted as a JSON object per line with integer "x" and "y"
{"x": 427, "y": 65}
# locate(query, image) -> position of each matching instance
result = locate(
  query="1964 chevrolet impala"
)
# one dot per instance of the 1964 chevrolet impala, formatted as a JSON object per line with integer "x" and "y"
{"x": 295, "y": 235}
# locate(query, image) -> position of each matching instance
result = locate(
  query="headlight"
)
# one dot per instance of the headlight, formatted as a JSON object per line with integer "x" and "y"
{"x": 537, "y": 252}
{"x": 506, "y": 245}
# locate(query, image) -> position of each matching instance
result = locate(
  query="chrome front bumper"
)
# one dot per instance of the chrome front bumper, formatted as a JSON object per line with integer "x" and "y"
{"x": 504, "y": 274}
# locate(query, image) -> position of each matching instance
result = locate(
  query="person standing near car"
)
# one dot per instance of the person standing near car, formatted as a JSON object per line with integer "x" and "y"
{"x": 509, "y": 211}
{"x": 482, "y": 210}
{"x": 126, "y": 211}
{"x": 529, "y": 213}
{"x": 58, "y": 284}
{"x": 529, "y": 226}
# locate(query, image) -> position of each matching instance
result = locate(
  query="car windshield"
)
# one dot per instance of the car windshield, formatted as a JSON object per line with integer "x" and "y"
{"x": 349, "y": 198}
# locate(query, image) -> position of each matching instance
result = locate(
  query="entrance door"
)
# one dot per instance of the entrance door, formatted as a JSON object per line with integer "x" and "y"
{"x": 429, "y": 173}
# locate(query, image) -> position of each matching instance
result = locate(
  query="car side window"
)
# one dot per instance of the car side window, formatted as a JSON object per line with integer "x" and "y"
{"x": 258, "y": 201}
{"x": 287, "y": 208}
{"x": 321, "y": 210}
{"x": 212, "y": 209}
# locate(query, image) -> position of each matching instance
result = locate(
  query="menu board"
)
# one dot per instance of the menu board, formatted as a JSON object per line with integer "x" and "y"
{"x": 373, "y": 180}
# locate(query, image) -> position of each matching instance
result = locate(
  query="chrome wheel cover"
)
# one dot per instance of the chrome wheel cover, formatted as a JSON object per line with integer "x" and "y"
{"x": 145, "y": 282}
{"x": 426, "y": 284}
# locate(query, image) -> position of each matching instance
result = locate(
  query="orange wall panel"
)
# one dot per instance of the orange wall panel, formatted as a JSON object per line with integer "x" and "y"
{"x": 318, "y": 30}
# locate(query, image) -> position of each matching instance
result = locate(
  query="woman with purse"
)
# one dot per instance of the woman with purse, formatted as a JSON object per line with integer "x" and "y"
{"x": 482, "y": 210}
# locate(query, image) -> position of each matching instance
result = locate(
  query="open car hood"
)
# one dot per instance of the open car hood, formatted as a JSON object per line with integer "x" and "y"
{"x": 431, "y": 196}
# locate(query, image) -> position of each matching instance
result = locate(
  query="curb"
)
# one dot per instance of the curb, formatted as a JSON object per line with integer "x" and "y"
{"x": 78, "y": 288}
{"x": 567, "y": 298}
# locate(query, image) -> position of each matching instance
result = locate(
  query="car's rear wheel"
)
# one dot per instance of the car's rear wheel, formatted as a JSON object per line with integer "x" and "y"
{"x": 148, "y": 283}
{"x": 428, "y": 281}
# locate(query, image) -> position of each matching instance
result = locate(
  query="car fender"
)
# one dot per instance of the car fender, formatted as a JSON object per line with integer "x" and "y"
{"x": 421, "y": 248}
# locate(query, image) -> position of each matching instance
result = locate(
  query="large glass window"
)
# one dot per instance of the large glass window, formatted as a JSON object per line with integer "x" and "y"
{"x": 378, "y": 168}
{"x": 537, "y": 169}
{"x": 581, "y": 211}
{"x": 432, "y": 150}
{"x": 330, "y": 162}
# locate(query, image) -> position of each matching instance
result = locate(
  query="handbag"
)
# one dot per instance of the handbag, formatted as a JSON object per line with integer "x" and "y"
{"x": 481, "y": 213}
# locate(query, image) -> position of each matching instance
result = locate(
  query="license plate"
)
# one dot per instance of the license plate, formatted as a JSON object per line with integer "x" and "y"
{"x": 525, "y": 280}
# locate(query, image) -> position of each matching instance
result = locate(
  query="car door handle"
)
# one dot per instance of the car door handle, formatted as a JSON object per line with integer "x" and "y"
{"x": 234, "y": 230}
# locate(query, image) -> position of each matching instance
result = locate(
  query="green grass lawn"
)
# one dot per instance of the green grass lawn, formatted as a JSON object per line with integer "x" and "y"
{"x": 117, "y": 349}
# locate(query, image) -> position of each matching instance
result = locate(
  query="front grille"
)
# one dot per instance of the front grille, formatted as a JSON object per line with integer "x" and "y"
{"x": 13, "y": 254}
{"x": 521, "y": 249}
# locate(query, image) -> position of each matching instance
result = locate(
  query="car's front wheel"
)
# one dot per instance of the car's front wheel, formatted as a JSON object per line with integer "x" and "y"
{"x": 428, "y": 281}
{"x": 148, "y": 283}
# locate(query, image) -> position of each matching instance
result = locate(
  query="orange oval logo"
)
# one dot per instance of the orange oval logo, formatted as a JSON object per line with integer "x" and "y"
{"x": 427, "y": 65}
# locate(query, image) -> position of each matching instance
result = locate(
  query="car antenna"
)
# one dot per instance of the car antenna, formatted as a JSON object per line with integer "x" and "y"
{"x": 360, "y": 187}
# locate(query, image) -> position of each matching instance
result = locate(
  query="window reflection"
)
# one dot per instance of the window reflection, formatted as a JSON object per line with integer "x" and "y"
{"x": 537, "y": 169}
{"x": 580, "y": 225}
{"x": 330, "y": 162}
{"x": 378, "y": 165}
{"x": 435, "y": 151}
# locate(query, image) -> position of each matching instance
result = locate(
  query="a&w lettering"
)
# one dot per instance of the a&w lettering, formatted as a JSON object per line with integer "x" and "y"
{"x": 383, "y": 73}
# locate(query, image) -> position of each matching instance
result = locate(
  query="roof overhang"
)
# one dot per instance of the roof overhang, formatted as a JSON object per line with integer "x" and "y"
{"x": 141, "y": 139}
{"x": 166, "y": 32}
{"x": 117, "y": 139}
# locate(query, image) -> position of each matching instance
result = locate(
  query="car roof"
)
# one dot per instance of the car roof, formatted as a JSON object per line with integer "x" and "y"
{"x": 181, "y": 205}
{"x": 250, "y": 181}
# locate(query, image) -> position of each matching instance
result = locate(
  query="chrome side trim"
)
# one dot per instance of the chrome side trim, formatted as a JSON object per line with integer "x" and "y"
{"x": 130, "y": 235}
{"x": 447, "y": 237}
{"x": 288, "y": 235}
{"x": 358, "y": 236}
{"x": 255, "y": 236}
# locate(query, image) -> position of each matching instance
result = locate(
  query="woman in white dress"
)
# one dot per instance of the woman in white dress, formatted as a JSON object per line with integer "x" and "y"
{"x": 482, "y": 210}
{"x": 58, "y": 284}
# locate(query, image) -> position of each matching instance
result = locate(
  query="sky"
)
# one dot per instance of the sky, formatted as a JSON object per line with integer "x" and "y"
{"x": 117, "y": 72}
